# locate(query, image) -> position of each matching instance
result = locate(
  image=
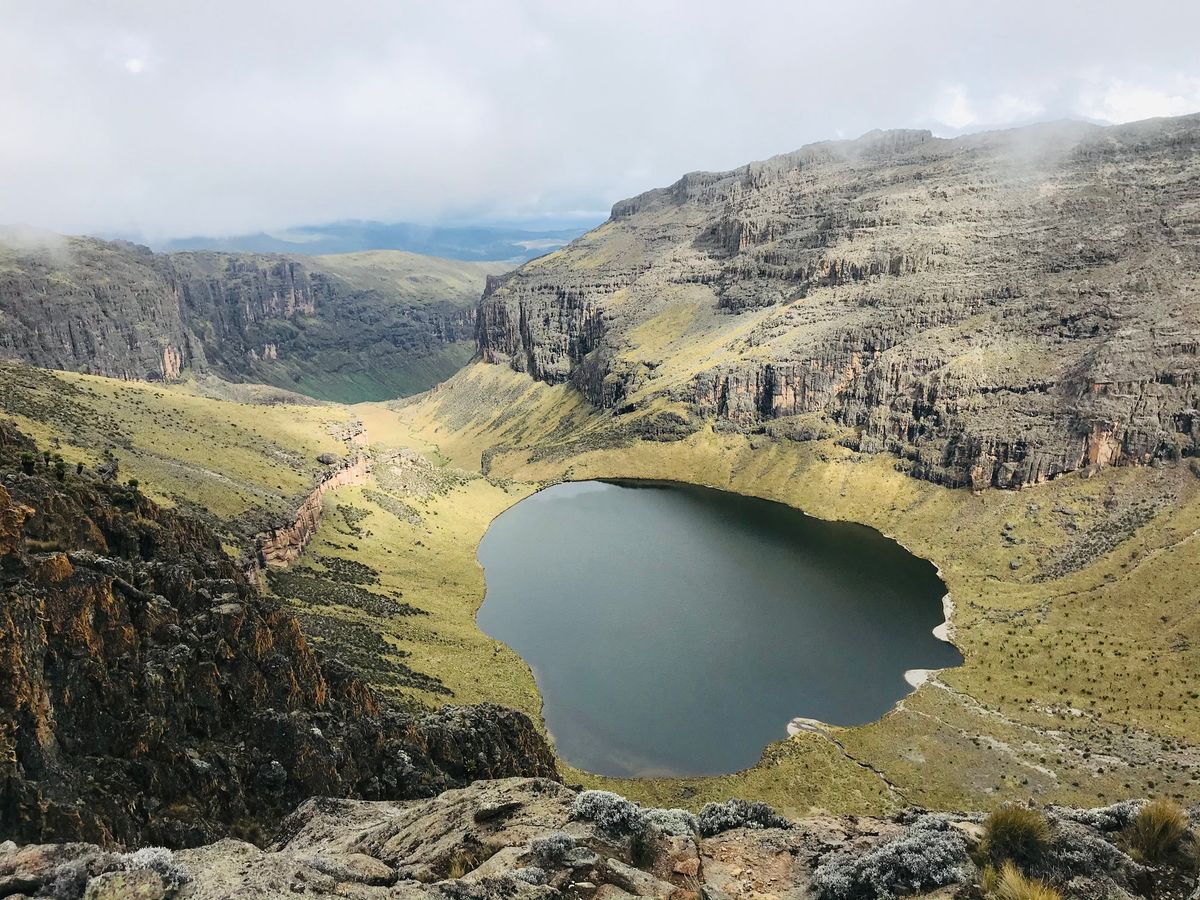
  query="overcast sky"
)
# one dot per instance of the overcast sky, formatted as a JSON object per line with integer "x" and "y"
{"x": 165, "y": 118}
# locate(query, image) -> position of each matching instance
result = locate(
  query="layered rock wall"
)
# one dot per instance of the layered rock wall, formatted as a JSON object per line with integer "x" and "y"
{"x": 995, "y": 310}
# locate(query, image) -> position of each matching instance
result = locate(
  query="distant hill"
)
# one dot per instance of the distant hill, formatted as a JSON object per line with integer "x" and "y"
{"x": 351, "y": 327}
{"x": 469, "y": 242}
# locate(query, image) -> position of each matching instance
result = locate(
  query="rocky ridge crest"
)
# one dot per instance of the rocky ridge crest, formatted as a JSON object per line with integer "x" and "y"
{"x": 995, "y": 310}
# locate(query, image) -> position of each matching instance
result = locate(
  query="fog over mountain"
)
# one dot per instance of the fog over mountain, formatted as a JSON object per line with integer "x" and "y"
{"x": 165, "y": 121}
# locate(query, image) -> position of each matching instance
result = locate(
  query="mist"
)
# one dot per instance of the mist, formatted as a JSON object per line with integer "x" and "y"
{"x": 167, "y": 120}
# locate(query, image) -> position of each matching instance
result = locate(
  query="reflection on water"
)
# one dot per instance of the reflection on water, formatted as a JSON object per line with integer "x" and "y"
{"x": 676, "y": 630}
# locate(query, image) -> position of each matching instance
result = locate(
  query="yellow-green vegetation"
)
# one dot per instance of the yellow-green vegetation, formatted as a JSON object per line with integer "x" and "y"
{"x": 1158, "y": 830}
{"x": 229, "y": 458}
{"x": 1010, "y": 884}
{"x": 1015, "y": 834}
{"x": 1073, "y": 603}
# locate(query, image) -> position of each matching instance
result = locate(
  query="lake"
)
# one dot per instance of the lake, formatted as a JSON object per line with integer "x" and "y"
{"x": 676, "y": 630}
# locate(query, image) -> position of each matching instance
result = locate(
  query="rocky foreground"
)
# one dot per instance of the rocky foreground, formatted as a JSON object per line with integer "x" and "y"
{"x": 536, "y": 838}
{"x": 150, "y": 694}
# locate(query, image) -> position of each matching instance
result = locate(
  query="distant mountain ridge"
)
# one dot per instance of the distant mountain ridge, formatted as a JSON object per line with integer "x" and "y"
{"x": 363, "y": 326}
{"x": 466, "y": 242}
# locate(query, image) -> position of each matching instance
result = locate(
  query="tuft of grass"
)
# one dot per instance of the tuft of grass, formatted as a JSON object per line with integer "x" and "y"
{"x": 1015, "y": 834}
{"x": 1010, "y": 884}
{"x": 469, "y": 857}
{"x": 1157, "y": 831}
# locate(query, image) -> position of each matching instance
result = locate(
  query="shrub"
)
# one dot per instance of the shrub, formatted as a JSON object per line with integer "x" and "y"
{"x": 552, "y": 850}
{"x": 1104, "y": 818}
{"x": 1010, "y": 884}
{"x": 133, "y": 484}
{"x": 160, "y": 860}
{"x": 1157, "y": 830}
{"x": 60, "y": 469}
{"x": 676, "y": 822}
{"x": 610, "y": 812}
{"x": 27, "y": 463}
{"x": 718, "y": 817}
{"x": 69, "y": 880}
{"x": 931, "y": 854}
{"x": 531, "y": 875}
{"x": 79, "y": 468}
{"x": 1016, "y": 833}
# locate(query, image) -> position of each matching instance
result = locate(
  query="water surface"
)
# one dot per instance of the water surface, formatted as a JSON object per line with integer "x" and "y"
{"x": 676, "y": 630}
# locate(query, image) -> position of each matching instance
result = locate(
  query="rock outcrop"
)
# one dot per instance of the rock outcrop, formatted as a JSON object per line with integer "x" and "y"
{"x": 995, "y": 310}
{"x": 282, "y": 545}
{"x": 533, "y": 838}
{"x": 361, "y": 326}
{"x": 150, "y": 694}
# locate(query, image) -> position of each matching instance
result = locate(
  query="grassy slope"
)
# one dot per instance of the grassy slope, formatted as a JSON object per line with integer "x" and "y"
{"x": 232, "y": 458}
{"x": 1076, "y": 688}
{"x": 1078, "y": 685}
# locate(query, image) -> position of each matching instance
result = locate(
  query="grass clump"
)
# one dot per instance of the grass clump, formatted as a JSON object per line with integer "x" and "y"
{"x": 1010, "y": 884}
{"x": 1157, "y": 831}
{"x": 1017, "y": 834}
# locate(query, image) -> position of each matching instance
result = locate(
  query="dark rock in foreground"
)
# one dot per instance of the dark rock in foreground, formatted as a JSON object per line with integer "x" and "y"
{"x": 149, "y": 694}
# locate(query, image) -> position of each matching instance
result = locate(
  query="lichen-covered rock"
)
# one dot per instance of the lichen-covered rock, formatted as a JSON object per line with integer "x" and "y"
{"x": 519, "y": 839}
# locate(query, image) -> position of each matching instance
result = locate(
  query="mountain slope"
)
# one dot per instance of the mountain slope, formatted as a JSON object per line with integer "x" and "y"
{"x": 362, "y": 326}
{"x": 996, "y": 309}
{"x": 152, "y": 694}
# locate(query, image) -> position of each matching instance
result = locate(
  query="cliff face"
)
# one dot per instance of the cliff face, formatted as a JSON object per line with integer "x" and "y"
{"x": 363, "y": 326}
{"x": 996, "y": 309}
{"x": 148, "y": 693}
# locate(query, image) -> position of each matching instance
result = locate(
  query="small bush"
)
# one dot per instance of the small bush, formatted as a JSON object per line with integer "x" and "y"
{"x": 552, "y": 850}
{"x": 675, "y": 822}
{"x": 531, "y": 875}
{"x": 1010, "y": 884}
{"x": 1158, "y": 830}
{"x": 1016, "y": 833}
{"x": 718, "y": 817}
{"x": 69, "y": 880}
{"x": 610, "y": 812}
{"x": 1103, "y": 818}
{"x": 160, "y": 860}
{"x": 27, "y": 463}
{"x": 931, "y": 854}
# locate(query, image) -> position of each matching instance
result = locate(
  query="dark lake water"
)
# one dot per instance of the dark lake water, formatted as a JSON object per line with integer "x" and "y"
{"x": 676, "y": 630}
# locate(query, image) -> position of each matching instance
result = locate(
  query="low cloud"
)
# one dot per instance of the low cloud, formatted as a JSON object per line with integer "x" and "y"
{"x": 165, "y": 119}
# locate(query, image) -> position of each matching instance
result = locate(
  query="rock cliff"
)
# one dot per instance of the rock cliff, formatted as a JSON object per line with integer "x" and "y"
{"x": 149, "y": 693}
{"x": 361, "y": 326}
{"x": 995, "y": 310}
{"x": 523, "y": 838}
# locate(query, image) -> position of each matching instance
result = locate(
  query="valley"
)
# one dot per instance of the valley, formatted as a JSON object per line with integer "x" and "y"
{"x": 983, "y": 348}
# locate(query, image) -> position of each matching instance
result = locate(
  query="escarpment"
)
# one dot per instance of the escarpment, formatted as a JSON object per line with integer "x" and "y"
{"x": 150, "y": 694}
{"x": 995, "y": 310}
{"x": 360, "y": 326}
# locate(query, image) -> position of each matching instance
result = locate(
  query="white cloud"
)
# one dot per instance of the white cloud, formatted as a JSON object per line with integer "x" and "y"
{"x": 955, "y": 108}
{"x": 1123, "y": 101}
{"x": 305, "y": 111}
